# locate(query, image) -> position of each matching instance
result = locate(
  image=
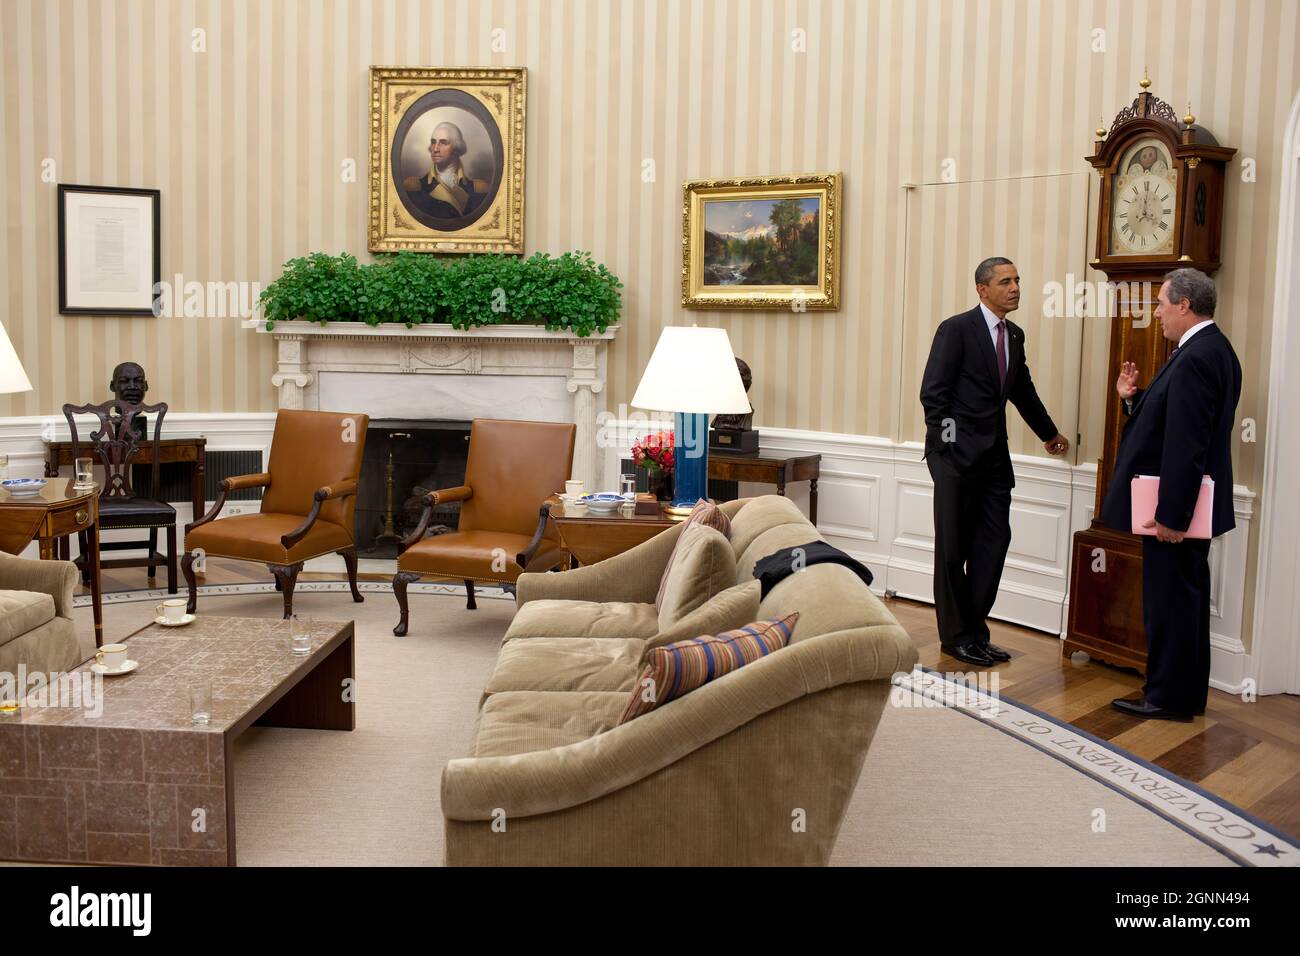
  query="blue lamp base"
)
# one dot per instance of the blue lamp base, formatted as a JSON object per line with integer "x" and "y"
{"x": 690, "y": 461}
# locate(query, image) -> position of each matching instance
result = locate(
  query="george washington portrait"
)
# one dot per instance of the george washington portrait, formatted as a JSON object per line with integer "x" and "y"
{"x": 447, "y": 160}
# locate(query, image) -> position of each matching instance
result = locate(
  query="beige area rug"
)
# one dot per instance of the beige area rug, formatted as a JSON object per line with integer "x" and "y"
{"x": 939, "y": 787}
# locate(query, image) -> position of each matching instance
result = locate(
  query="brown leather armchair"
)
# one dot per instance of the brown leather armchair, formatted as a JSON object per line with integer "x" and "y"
{"x": 307, "y": 506}
{"x": 504, "y": 530}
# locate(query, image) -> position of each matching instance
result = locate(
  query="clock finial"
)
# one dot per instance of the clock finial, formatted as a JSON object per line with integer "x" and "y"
{"x": 1189, "y": 119}
{"x": 1145, "y": 82}
{"x": 1101, "y": 128}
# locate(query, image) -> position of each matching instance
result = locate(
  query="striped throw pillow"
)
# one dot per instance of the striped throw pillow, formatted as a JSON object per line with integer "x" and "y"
{"x": 705, "y": 513}
{"x": 677, "y": 669}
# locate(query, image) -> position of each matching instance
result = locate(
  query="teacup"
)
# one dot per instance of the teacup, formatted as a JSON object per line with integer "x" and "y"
{"x": 112, "y": 656}
{"x": 173, "y": 611}
{"x": 573, "y": 487}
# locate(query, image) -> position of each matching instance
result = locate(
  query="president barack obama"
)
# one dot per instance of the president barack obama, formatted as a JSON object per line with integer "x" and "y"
{"x": 977, "y": 364}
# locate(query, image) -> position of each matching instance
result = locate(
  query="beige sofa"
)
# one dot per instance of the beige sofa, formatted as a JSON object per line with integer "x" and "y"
{"x": 756, "y": 767}
{"x": 36, "y": 626}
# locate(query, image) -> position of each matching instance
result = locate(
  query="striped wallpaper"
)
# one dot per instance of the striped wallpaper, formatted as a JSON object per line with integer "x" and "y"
{"x": 1041, "y": 223}
{"x": 247, "y": 141}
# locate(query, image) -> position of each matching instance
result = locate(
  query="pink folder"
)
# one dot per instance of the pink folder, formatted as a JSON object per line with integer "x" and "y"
{"x": 1146, "y": 493}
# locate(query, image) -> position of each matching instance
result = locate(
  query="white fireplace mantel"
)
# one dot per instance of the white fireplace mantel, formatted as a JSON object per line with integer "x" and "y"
{"x": 439, "y": 372}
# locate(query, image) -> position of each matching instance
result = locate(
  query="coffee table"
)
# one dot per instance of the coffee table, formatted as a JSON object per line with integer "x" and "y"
{"x": 139, "y": 783}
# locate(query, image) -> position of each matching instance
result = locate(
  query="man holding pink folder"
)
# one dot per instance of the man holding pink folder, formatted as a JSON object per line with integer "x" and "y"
{"x": 1179, "y": 431}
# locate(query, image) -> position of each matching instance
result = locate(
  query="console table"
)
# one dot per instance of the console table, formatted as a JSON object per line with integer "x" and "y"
{"x": 770, "y": 471}
{"x": 190, "y": 451}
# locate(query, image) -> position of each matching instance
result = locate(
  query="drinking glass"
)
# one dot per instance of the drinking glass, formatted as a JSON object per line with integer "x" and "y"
{"x": 201, "y": 702}
{"x": 85, "y": 472}
{"x": 300, "y": 635}
{"x": 628, "y": 487}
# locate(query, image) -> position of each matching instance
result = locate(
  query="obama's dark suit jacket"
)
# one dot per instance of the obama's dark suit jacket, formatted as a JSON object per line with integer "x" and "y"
{"x": 961, "y": 383}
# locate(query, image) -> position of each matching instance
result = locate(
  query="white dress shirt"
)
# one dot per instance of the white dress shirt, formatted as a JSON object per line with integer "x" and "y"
{"x": 992, "y": 321}
{"x": 1193, "y": 330}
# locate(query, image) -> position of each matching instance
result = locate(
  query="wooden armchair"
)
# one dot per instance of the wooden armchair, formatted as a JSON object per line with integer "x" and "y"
{"x": 512, "y": 468}
{"x": 307, "y": 506}
{"x": 115, "y": 444}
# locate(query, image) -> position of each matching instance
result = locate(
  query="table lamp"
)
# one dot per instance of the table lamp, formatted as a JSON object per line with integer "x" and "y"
{"x": 692, "y": 373}
{"x": 13, "y": 378}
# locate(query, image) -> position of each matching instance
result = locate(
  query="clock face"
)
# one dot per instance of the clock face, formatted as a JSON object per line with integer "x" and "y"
{"x": 1143, "y": 201}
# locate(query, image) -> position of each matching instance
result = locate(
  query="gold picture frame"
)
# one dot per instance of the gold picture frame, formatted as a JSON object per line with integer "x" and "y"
{"x": 727, "y": 264}
{"x": 447, "y": 159}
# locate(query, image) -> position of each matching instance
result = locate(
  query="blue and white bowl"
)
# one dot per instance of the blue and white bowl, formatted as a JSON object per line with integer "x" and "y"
{"x": 19, "y": 487}
{"x": 605, "y": 502}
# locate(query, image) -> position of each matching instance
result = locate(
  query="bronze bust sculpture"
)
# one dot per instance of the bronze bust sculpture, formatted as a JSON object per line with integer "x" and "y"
{"x": 735, "y": 433}
{"x": 738, "y": 422}
{"x": 129, "y": 386}
{"x": 129, "y": 383}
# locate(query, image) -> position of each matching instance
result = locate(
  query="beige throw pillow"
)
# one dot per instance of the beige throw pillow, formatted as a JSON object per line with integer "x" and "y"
{"x": 703, "y": 565}
{"x": 735, "y": 607}
{"x": 705, "y": 513}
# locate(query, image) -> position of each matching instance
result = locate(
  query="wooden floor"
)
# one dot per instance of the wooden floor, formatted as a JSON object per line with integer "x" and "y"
{"x": 1247, "y": 753}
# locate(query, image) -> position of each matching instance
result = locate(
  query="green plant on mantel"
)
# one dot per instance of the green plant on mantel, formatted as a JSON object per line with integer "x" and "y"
{"x": 566, "y": 292}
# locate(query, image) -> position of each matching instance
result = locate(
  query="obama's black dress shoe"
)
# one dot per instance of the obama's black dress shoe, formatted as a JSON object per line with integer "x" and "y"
{"x": 971, "y": 653}
{"x": 1141, "y": 708}
{"x": 995, "y": 652}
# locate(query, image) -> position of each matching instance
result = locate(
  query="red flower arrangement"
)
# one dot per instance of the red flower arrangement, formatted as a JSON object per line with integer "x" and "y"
{"x": 654, "y": 452}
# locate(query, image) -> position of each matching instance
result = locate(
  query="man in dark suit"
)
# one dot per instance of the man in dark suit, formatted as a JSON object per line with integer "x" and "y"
{"x": 1179, "y": 428}
{"x": 977, "y": 364}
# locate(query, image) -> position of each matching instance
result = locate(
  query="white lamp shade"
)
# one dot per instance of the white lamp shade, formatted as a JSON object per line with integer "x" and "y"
{"x": 692, "y": 370}
{"x": 13, "y": 378}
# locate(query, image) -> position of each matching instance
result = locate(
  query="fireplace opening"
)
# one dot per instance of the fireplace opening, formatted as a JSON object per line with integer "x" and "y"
{"x": 405, "y": 459}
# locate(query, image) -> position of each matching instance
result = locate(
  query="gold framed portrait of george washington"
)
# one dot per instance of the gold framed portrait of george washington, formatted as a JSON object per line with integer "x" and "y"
{"x": 447, "y": 159}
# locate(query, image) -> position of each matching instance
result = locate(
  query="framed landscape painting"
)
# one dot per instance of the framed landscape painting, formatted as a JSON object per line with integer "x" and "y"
{"x": 769, "y": 243}
{"x": 447, "y": 159}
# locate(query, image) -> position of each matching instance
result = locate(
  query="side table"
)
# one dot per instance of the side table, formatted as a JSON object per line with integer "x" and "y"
{"x": 771, "y": 471}
{"x": 594, "y": 537}
{"x": 61, "y": 509}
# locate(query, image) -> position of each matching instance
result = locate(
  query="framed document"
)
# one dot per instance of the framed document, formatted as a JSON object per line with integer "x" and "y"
{"x": 447, "y": 159}
{"x": 109, "y": 257}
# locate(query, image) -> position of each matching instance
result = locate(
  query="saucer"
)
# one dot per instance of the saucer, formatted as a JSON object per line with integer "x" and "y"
{"x": 126, "y": 668}
{"x": 604, "y": 502}
{"x": 187, "y": 619}
{"x": 23, "y": 487}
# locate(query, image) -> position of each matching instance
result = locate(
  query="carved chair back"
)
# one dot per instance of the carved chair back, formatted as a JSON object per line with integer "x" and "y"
{"x": 116, "y": 442}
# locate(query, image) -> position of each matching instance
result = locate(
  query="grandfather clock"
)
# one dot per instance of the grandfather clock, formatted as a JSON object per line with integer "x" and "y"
{"x": 1161, "y": 209}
